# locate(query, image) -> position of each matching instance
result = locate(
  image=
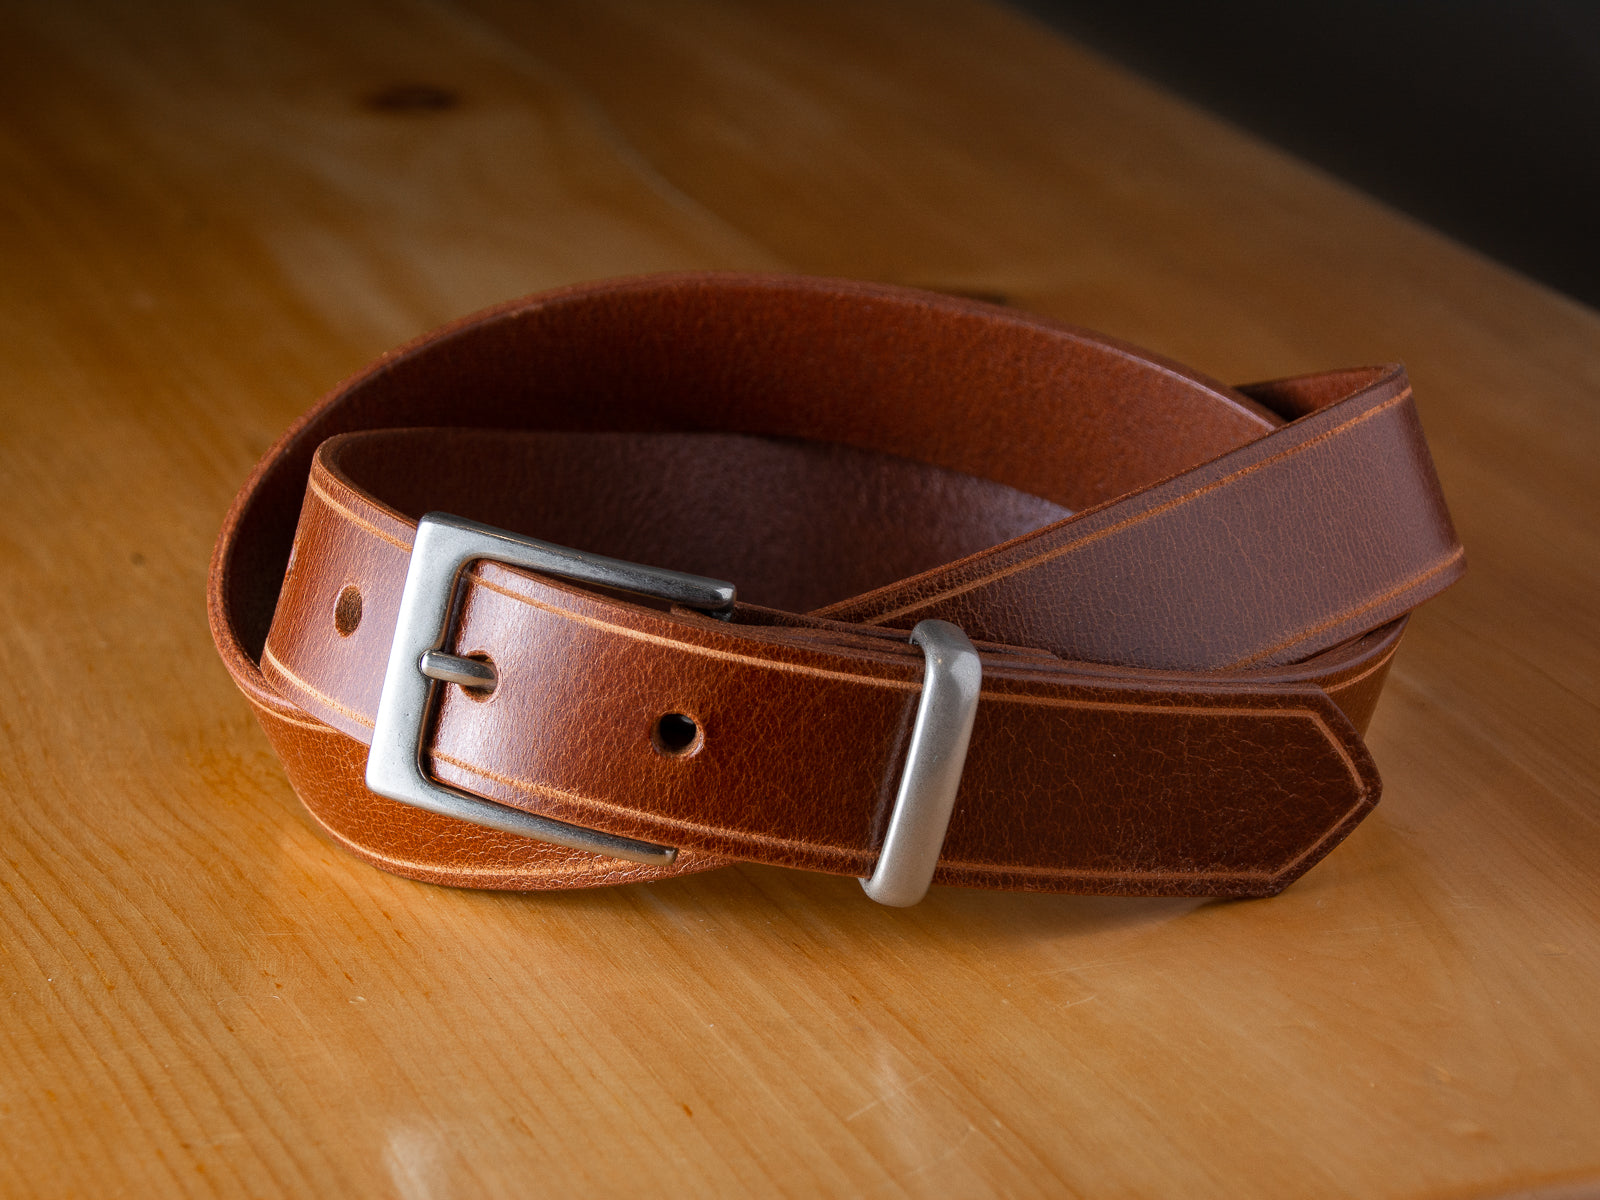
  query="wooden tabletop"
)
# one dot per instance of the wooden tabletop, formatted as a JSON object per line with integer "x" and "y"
{"x": 211, "y": 214}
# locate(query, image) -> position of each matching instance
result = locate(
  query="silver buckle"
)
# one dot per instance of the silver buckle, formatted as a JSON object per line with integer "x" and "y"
{"x": 443, "y": 546}
{"x": 952, "y": 679}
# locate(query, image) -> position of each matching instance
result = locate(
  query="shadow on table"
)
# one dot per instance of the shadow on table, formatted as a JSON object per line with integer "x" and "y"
{"x": 837, "y": 907}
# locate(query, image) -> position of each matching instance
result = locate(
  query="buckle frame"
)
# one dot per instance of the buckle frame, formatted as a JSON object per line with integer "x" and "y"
{"x": 444, "y": 545}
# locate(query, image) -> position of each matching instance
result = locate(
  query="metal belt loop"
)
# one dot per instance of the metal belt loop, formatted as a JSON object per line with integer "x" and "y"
{"x": 444, "y": 545}
{"x": 952, "y": 680}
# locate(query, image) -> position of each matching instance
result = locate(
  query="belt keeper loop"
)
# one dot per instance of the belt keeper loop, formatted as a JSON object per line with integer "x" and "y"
{"x": 953, "y": 677}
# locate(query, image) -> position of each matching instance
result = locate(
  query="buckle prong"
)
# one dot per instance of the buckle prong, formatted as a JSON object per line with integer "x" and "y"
{"x": 452, "y": 668}
{"x": 444, "y": 545}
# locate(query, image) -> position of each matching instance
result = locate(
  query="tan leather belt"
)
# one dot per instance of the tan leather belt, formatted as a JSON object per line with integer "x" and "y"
{"x": 1153, "y": 612}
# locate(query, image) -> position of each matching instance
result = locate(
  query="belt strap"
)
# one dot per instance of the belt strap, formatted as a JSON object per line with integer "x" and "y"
{"x": 1184, "y": 597}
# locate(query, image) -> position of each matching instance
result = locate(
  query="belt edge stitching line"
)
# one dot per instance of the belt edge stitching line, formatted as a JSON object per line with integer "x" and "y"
{"x": 1099, "y": 535}
{"x": 614, "y": 809}
{"x": 1398, "y": 589}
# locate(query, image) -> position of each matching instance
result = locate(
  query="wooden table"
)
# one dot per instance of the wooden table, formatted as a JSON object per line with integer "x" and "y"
{"x": 211, "y": 214}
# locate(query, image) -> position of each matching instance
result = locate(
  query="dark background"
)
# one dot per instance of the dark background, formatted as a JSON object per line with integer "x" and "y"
{"x": 1480, "y": 117}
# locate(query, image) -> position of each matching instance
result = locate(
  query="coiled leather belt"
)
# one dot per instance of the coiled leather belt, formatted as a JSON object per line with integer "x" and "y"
{"x": 1158, "y": 611}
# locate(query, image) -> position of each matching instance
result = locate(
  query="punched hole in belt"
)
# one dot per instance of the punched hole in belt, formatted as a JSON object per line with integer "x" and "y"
{"x": 347, "y": 611}
{"x": 676, "y": 735}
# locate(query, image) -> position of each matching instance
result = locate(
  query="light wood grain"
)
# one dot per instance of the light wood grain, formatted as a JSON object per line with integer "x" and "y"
{"x": 206, "y": 224}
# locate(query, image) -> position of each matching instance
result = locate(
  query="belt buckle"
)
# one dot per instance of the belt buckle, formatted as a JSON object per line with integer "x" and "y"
{"x": 445, "y": 544}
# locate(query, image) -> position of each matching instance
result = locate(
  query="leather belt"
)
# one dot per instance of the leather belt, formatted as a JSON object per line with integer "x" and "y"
{"x": 1182, "y": 598}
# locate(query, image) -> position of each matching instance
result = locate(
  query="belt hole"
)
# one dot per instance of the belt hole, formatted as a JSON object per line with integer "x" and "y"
{"x": 347, "y": 612}
{"x": 676, "y": 735}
